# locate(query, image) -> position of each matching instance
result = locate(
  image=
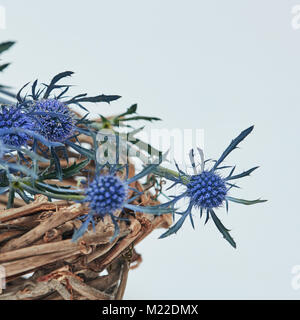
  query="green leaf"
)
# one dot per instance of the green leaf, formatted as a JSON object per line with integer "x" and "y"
{"x": 23, "y": 169}
{"x": 11, "y": 198}
{"x": 145, "y": 146}
{"x": 241, "y": 175}
{"x": 6, "y": 45}
{"x": 104, "y": 120}
{"x": 58, "y": 189}
{"x": 55, "y": 79}
{"x": 173, "y": 229}
{"x": 85, "y": 152}
{"x": 23, "y": 195}
{"x": 234, "y": 143}
{"x": 67, "y": 172}
{"x": 34, "y": 190}
{"x": 4, "y": 66}
{"x": 56, "y": 160}
{"x": 4, "y": 182}
{"x": 99, "y": 98}
{"x": 222, "y": 229}
{"x": 140, "y": 118}
{"x": 32, "y": 155}
{"x": 246, "y": 202}
{"x": 132, "y": 109}
{"x": 147, "y": 170}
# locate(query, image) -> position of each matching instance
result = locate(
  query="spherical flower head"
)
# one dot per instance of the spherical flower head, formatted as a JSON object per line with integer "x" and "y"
{"x": 106, "y": 194}
{"x": 15, "y": 117}
{"x": 207, "y": 190}
{"x": 55, "y": 120}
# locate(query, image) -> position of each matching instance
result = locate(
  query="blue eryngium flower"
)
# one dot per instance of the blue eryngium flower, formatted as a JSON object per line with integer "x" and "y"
{"x": 207, "y": 190}
{"x": 15, "y": 118}
{"x": 55, "y": 123}
{"x": 54, "y": 119}
{"x": 107, "y": 194}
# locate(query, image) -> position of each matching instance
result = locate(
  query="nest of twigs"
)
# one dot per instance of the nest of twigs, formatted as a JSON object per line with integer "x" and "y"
{"x": 41, "y": 261}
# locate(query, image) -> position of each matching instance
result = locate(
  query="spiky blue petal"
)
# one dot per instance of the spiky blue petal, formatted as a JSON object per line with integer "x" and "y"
{"x": 80, "y": 232}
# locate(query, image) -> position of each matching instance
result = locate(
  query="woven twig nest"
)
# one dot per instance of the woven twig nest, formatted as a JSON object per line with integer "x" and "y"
{"x": 35, "y": 238}
{"x": 41, "y": 261}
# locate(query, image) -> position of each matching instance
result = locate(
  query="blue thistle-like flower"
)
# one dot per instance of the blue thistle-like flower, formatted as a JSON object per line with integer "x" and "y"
{"x": 54, "y": 118}
{"x": 206, "y": 190}
{"x": 15, "y": 118}
{"x": 107, "y": 194}
{"x": 55, "y": 123}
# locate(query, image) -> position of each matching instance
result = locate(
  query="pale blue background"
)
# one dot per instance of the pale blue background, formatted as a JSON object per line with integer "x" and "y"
{"x": 216, "y": 65}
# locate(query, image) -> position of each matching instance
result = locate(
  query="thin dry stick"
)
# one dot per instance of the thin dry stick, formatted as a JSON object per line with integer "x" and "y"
{"x": 118, "y": 248}
{"x": 163, "y": 221}
{"x": 27, "y": 222}
{"x": 106, "y": 282}
{"x": 37, "y": 290}
{"x": 10, "y": 234}
{"x": 100, "y": 251}
{"x": 40, "y": 204}
{"x": 55, "y": 220}
{"x": 60, "y": 288}
{"x": 124, "y": 277}
{"x": 28, "y": 264}
{"x": 88, "y": 291}
{"x": 64, "y": 245}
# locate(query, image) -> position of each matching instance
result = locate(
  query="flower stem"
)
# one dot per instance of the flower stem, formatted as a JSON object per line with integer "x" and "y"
{"x": 170, "y": 174}
{"x": 26, "y": 186}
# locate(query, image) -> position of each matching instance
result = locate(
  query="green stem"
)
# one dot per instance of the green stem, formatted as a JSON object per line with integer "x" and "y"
{"x": 11, "y": 197}
{"x": 27, "y": 187}
{"x": 169, "y": 174}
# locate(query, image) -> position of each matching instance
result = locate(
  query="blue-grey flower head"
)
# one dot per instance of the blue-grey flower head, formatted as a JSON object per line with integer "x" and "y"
{"x": 106, "y": 194}
{"x": 15, "y": 118}
{"x": 55, "y": 120}
{"x": 207, "y": 190}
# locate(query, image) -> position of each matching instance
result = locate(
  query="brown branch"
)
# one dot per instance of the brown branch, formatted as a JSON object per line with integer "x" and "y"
{"x": 88, "y": 291}
{"x": 28, "y": 264}
{"x": 124, "y": 277}
{"x": 40, "y": 204}
{"x": 10, "y": 234}
{"x": 101, "y": 264}
{"x": 55, "y": 220}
